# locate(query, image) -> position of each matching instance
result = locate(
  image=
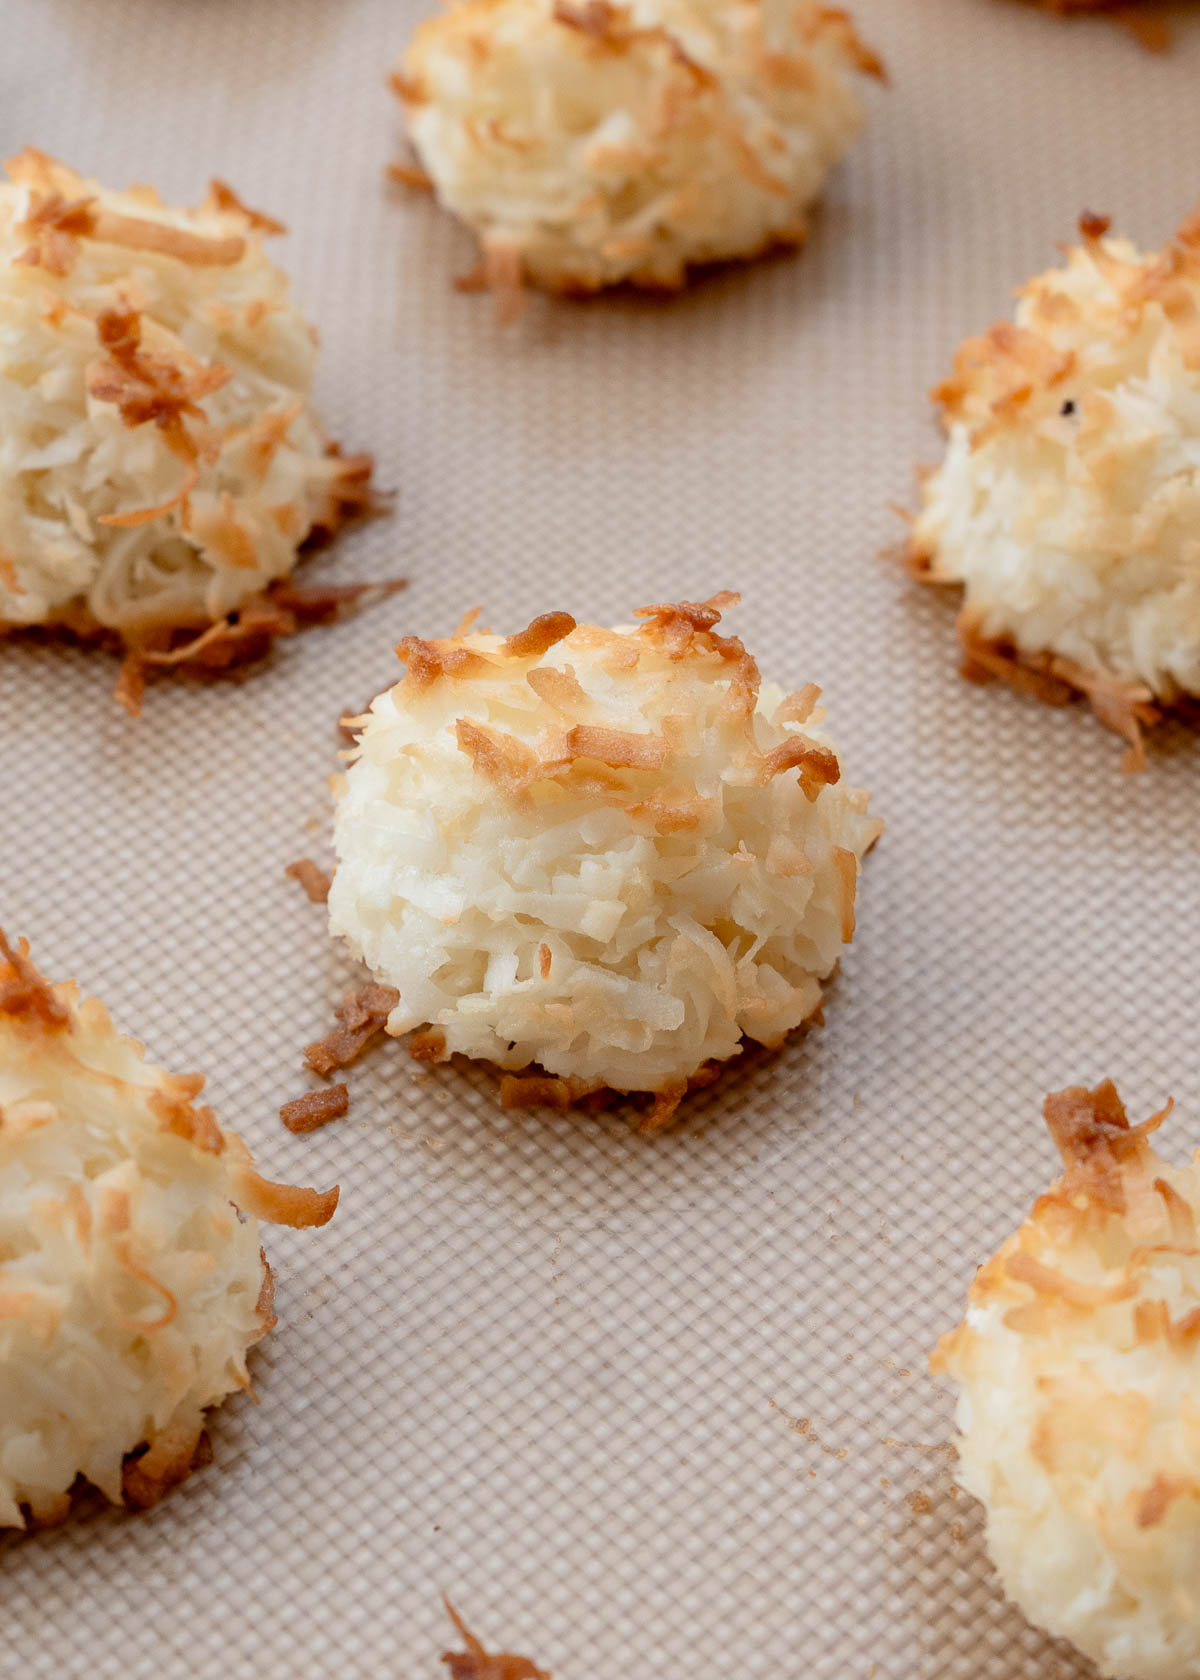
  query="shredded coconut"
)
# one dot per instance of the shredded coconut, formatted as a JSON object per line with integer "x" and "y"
{"x": 159, "y": 461}
{"x": 609, "y": 853}
{"x": 589, "y": 143}
{"x": 131, "y": 1287}
{"x": 1068, "y": 503}
{"x": 1079, "y": 1365}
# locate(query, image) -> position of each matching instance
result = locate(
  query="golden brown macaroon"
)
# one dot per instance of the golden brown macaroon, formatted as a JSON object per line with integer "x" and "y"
{"x": 589, "y": 143}
{"x": 605, "y": 856}
{"x": 161, "y": 466}
{"x": 1067, "y": 506}
{"x": 132, "y": 1283}
{"x": 1079, "y": 1415}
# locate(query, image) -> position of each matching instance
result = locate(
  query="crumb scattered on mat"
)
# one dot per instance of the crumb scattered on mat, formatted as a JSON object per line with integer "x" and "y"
{"x": 315, "y": 1108}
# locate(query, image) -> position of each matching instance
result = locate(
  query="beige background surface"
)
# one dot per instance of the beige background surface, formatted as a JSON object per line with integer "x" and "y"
{"x": 533, "y": 1360}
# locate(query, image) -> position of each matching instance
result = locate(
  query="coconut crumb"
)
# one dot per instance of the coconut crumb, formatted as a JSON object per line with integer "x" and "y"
{"x": 362, "y": 1016}
{"x": 429, "y": 1047}
{"x": 315, "y": 1109}
{"x": 314, "y": 880}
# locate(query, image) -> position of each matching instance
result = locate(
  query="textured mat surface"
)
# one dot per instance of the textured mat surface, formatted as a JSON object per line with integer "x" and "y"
{"x": 646, "y": 1409}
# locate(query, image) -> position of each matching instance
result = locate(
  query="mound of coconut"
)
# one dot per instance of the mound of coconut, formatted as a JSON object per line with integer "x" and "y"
{"x": 132, "y": 1283}
{"x": 600, "y": 859}
{"x": 588, "y": 143}
{"x": 1068, "y": 503}
{"x": 1078, "y": 1362}
{"x": 160, "y": 464}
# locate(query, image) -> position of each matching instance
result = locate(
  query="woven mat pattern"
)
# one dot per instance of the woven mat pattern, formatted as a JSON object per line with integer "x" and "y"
{"x": 647, "y": 1409}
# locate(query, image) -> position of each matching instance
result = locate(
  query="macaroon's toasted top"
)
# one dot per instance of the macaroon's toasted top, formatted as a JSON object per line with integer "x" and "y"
{"x": 1078, "y": 330}
{"x": 1101, "y": 1288}
{"x": 1084, "y": 1245}
{"x": 575, "y": 735}
{"x": 610, "y": 33}
{"x": 61, "y": 1059}
{"x": 56, "y": 210}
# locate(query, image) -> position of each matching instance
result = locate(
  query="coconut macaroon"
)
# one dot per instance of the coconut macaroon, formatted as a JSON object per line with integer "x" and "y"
{"x": 1079, "y": 1365}
{"x": 132, "y": 1283}
{"x": 610, "y": 855}
{"x": 589, "y": 143}
{"x": 1068, "y": 503}
{"x": 160, "y": 464}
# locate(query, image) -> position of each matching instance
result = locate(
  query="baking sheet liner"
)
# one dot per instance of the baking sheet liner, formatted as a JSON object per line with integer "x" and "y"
{"x": 642, "y": 1407}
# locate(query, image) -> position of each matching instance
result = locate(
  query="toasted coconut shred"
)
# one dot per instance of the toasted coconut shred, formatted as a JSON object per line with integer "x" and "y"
{"x": 589, "y": 143}
{"x": 132, "y": 1283}
{"x": 1079, "y": 1370}
{"x": 160, "y": 465}
{"x": 599, "y": 857}
{"x": 1068, "y": 503}
{"x": 478, "y": 1663}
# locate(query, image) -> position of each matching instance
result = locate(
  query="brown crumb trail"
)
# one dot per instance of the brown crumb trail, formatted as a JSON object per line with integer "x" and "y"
{"x": 476, "y": 1663}
{"x": 314, "y": 880}
{"x": 325, "y": 603}
{"x": 1148, "y": 24}
{"x": 315, "y": 1108}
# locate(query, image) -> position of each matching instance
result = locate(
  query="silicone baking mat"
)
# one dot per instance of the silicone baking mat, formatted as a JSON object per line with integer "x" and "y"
{"x": 644, "y": 1407}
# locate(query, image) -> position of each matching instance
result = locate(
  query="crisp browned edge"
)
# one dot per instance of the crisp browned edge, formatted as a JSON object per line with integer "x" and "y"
{"x": 1127, "y": 709}
{"x": 224, "y": 650}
